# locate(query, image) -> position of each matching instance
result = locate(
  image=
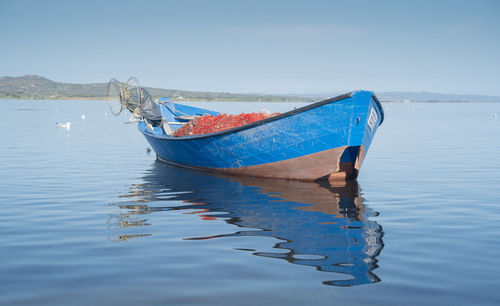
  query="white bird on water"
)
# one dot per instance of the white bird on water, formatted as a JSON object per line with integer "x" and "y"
{"x": 64, "y": 125}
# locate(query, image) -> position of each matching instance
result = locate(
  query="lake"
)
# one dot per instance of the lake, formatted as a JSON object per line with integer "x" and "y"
{"x": 90, "y": 218}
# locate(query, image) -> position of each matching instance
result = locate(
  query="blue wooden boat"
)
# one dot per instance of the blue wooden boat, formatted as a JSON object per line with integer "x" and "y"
{"x": 327, "y": 140}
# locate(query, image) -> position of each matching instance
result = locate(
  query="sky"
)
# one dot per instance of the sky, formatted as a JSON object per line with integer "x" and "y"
{"x": 280, "y": 47}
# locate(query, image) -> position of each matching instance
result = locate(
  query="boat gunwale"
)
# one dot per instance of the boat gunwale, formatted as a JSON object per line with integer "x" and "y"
{"x": 270, "y": 119}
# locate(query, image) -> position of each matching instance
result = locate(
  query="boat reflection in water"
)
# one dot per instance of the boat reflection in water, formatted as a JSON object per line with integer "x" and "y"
{"x": 320, "y": 225}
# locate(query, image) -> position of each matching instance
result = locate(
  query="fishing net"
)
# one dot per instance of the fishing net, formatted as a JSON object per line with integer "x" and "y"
{"x": 221, "y": 122}
{"x": 133, "y": 97}
{"x": 124, "y": 95}
{"x": 115, "y": 93}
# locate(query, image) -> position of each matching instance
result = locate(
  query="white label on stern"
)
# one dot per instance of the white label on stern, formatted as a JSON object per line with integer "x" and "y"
{"x": 372, "y": 120}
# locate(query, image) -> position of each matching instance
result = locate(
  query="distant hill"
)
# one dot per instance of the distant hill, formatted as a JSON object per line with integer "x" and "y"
{"x": 37, "y": 87}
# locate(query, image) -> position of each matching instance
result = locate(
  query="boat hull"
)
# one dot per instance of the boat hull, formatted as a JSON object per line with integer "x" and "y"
{"x": 317, "y": 166}
{"x": 325, "y": 140}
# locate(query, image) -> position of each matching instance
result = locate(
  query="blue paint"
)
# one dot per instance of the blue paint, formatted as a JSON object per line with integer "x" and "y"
{"x": 329, "y": 124}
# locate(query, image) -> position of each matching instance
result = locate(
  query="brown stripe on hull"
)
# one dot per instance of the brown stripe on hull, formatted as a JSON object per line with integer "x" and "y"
{"x": 324, "y": 165}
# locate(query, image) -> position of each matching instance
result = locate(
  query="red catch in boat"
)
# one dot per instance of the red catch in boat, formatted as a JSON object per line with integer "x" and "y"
{"x": 221, "y": 122}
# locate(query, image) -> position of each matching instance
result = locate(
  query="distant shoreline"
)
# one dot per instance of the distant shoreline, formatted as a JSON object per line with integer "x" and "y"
{"x": 173, "y": 100}
{"x": 222, "y": 100}
{"x": 34, "y": 87}
{"x": 39, "y": 88}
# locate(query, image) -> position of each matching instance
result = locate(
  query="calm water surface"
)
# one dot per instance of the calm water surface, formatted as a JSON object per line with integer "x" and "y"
{"x": 89, "y": 217}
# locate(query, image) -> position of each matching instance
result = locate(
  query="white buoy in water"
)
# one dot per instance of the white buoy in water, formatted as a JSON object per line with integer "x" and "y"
{"x": 83, "y": 116}
{"x": 495, "y": 115}
{"x": 64, "y": 125}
